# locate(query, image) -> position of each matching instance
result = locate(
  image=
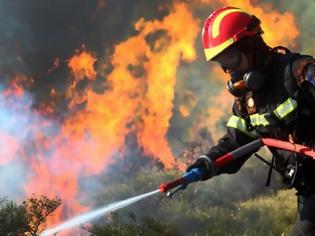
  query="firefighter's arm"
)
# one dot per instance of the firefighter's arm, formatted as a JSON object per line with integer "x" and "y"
{"x": 302, "y": 71}
{"x": 236, "y": 136}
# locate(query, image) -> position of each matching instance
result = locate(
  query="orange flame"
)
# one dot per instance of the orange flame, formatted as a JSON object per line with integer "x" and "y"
{"x": 161, "y": 78}
{"x": 82, "y": 65}
{"x": 56, "y": 180}
{"x": 107, "y": 115}
{"x": 184, "y": 111}
{"x": 141, "y": 92}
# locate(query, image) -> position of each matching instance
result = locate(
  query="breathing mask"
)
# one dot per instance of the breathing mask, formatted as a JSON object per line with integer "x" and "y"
{"x": 241, "y": 83}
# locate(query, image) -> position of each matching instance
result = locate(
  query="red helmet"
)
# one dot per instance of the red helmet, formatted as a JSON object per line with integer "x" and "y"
{"x": 226, "y": 26}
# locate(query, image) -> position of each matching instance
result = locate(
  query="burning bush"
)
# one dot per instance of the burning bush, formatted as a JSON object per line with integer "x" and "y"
{"x": 29, "y": 218}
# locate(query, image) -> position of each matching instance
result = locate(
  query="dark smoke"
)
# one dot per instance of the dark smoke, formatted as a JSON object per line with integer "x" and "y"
{"x": 35, "y": 33}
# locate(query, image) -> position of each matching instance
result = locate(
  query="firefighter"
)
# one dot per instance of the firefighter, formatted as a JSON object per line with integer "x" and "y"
{"x": 274, "y": 92}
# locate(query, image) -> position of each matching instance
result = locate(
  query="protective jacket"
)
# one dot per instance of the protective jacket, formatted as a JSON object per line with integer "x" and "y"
{"x": 283, "y": 109}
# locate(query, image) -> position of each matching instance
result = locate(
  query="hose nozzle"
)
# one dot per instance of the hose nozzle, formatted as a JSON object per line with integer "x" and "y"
{"x": 171, "y": 193}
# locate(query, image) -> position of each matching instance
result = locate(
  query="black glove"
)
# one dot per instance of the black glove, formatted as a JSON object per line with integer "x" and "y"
{"x": 204, "y": 162}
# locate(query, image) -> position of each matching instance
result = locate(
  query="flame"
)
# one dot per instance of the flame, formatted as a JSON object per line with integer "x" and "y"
{"x": 56, "y": 179}
{"x": 16, "y": 86}
{"x": 184, "y": 111}
{"x": 10, "y": 96}
{"x": 161, "y": 78}
{"x": 140, "y": 92}
{"x": 82, "y": 65}
{"x": 107, "y": 115}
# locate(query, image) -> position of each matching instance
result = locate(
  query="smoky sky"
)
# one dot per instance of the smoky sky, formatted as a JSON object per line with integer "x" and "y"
{"x": 35, "y": 33}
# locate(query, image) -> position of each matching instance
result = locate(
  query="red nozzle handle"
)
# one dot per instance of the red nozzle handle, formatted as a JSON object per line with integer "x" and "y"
{"x": 168, "y": 186}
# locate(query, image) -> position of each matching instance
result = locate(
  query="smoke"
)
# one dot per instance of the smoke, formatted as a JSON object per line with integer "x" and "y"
{"x": 20, "y": 129}
{"x": 14, "y": 173}
{"x": 304, "y": 16}
{"x": 34, "y": 34}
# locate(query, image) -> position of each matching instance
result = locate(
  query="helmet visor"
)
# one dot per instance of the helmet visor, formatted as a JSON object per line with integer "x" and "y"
{"x": 229, "y": 59}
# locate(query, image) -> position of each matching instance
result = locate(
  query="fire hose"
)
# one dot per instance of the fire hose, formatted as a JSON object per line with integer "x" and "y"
{"x": 182, "y": 182}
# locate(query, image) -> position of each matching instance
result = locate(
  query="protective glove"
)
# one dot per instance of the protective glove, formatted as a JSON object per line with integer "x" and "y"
{"x": 201, "y": 170}
{"x": 204, "y": 163}
{"x": 194, "y": 175}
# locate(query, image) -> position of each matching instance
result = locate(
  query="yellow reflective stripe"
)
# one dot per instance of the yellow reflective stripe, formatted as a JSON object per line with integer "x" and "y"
{"x": 217, "y": 21}
{"x": 213, "y": 51}
{"x": 280, "y": 112}
{"x": 258, "y": 119}
{"x": 239, "y": 124}
{"x": 285, "y": 108}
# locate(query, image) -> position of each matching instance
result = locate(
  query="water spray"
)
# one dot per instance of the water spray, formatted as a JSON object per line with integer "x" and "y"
{"x": 178, "y": 184}
{"x": 194, "y": 175}
{"x": 80, "y": 219}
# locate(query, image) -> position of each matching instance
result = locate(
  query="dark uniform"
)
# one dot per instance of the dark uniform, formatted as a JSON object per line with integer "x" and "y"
{"x": 275, "y": 98}
{"x": 284, "y": 109}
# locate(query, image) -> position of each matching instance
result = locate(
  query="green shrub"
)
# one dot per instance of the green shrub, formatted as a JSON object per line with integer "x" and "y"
{"x": 225, "y": 205}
